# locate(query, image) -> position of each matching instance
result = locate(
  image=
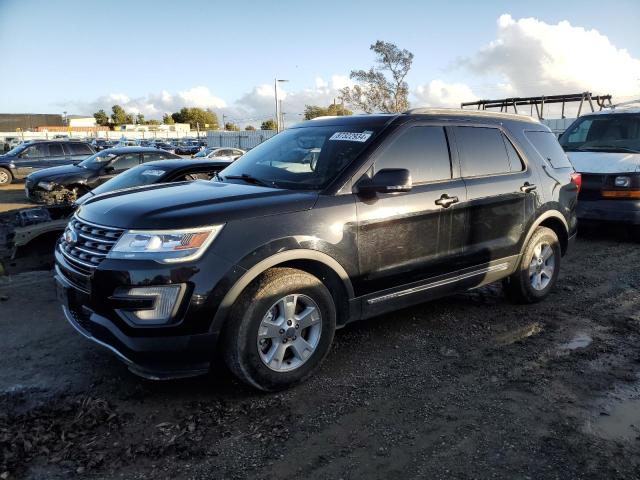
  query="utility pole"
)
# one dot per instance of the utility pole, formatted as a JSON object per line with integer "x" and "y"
{"x": 278, "y": 104}
{"x": 224, "y": 123}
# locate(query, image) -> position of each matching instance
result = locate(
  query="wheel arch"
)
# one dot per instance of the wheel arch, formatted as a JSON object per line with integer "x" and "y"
{"x": 319, "y": 264}
{"x": 554, "y": 220}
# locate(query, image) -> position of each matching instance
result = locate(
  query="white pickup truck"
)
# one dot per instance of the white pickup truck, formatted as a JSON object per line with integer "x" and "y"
{"x": 605, "y": 148}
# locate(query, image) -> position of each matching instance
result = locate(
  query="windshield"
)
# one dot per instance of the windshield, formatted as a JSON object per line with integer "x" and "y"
{"x": 97, "y": 160}
{"x": 18, "y": 149}
{"x": 134, "y": 177}
{"x": 302, "y": 158}
{"x": 616, "y": 132}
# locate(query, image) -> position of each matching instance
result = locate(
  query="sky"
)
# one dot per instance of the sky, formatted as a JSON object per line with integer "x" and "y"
{"x": 155, "y": 56}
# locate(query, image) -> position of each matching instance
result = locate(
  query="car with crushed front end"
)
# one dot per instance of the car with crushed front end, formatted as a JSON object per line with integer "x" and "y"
{"x": 331, "y": 221}
{"x": 157, "y": 173}
{"x": 64, "y": 184}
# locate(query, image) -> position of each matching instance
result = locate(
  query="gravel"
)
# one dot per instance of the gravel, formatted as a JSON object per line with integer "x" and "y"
{"x": 469, "y": 386}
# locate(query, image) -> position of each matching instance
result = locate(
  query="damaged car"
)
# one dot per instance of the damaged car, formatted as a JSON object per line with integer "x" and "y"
{"x": 63, "y": 185}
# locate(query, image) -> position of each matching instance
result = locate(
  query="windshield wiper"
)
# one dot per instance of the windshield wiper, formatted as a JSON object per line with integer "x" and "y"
{"x": 249, "y": 179}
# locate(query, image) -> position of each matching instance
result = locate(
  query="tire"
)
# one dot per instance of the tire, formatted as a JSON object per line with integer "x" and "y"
{"x": 5, "y": 177}
{"x": 532, "y": 282}
{"x": 634, "y": 233}
{"x": 261, "y": 309}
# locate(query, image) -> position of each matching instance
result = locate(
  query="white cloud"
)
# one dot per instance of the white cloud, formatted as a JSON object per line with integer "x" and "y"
{"x": 441, "y": 94}
{"x": 538, "y": 58}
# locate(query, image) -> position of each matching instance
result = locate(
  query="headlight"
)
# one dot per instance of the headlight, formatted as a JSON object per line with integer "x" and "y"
{"x": 167, "y": 246}
{"x": 48, "y": 186}
{"x": 622, "y": 182}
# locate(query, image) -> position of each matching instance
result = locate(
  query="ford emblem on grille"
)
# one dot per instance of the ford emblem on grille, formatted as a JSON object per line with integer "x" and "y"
{"x": 70, "y": 236}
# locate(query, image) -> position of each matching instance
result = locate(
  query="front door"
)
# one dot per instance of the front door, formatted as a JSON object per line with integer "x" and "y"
{"x": 409, "y": 239}
{"x": 32, "y": 158}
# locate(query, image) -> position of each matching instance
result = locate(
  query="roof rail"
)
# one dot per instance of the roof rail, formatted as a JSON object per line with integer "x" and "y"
{"x": 461, "y": 111}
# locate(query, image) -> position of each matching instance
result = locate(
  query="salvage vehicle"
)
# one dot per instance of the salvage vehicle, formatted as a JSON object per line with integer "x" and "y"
{"x": 51, "y": 220}
{"x": 604, "y": 147}
{"x": 263, "y": 265}
{"x": 164, "y": 171}
{"x": 63, "y": 185}
{"x": 35, "y": 155}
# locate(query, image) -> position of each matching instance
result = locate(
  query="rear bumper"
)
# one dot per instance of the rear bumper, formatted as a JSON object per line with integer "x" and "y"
{"x": 618, "y": 211}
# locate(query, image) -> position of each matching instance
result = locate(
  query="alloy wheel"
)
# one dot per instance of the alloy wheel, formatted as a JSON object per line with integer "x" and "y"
{"x": 542, "y": 266}
{"x": 289, "y": 332}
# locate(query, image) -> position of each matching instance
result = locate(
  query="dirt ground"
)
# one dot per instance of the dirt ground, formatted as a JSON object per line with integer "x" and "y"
{"x": 13, "y": 197}
{"x": 466, "y": 387}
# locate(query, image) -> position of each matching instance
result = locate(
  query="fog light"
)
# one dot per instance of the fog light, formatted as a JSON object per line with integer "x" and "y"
{"x": 163, "y": 308}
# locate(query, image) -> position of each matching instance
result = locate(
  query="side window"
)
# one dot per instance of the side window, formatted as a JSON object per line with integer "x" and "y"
{"x": 124, "y": 162}
{"x": 152, "y": 157}
{"x": 35, "y": 151}
{"x": 421, "y": 150}
{"x": 482, "y": 151}
{"x": 514, "y": 158}
{"x": 548, "y": 147}
{"x": 55, "y": 150}
{"x": 80, "y": 149}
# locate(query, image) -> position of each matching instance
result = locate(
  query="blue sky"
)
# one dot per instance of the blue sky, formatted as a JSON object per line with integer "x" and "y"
{"x": 72, "y": 55}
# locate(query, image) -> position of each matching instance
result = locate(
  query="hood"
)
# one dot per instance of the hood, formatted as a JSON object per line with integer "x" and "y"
{"x": 192, "y": 204}
{"x": 605, "y": 162}
{"x": 64, "y": 174}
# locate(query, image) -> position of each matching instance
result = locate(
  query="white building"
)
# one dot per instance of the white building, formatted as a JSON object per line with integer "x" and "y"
{"x": 80, "y": 121}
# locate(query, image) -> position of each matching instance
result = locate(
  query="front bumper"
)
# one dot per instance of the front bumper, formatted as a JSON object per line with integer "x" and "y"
{"x": 183, "y": 348}
{"x": 618, "y": 211}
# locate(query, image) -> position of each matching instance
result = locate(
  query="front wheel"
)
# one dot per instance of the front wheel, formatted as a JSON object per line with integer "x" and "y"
{"x": 5, "y": 177}
{"x": 280, "y": 329}
{"x": 538, "y": 269}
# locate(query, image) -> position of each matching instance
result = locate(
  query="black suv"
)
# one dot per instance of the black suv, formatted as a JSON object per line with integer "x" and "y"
{"x": 31, "y": 156}
{"x": 64, "y": 184}
{"x": 332, "y": 221}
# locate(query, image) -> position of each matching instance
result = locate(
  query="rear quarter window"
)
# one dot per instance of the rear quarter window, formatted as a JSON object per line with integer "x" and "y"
{"x": 547, "y": 146}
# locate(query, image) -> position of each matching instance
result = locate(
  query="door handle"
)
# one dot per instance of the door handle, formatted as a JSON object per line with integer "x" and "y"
{"x": 528, "y": 187}
{"x": 446, "y": 201}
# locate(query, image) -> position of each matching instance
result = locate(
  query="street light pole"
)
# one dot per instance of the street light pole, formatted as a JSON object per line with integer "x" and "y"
{"x": 278, "y": 104}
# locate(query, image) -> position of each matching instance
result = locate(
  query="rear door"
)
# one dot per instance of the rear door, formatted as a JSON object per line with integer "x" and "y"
{"x": 502, "y": 196}
{"x": 409, "y": 239}
{"x": 57, "y": 154}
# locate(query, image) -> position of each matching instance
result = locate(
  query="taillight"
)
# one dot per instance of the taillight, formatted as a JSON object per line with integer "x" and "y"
{"x": 621, "y": 193}
{"x": 576, "y": 179}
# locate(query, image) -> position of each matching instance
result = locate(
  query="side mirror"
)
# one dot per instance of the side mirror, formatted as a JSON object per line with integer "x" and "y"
{"x": 388, "y": 180}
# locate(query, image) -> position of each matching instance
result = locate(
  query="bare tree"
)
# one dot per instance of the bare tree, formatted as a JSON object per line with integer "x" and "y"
{"x": 382, "y": 87}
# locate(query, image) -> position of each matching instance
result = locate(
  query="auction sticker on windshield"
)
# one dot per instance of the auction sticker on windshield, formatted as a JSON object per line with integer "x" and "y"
{"x": 351, "y": 136}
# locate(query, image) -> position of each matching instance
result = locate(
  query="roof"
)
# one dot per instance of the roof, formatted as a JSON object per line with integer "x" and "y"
{"x": 133, "y": 149}
{"x": 187, "y": 163}
{"x": 379, "y": 119}
{"x": 613, "y": 111}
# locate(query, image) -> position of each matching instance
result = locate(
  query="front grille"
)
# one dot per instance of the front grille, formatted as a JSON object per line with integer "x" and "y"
{"x": 89, "y": 246}
{"x": 592, "y": 185}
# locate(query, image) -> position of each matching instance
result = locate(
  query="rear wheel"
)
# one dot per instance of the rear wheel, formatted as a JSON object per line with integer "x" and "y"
{"x": 634, "y": 233}
{"x": 538, "y": 269}
{"x": 5, "y": 177}
{"x": 280, "y": 329}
